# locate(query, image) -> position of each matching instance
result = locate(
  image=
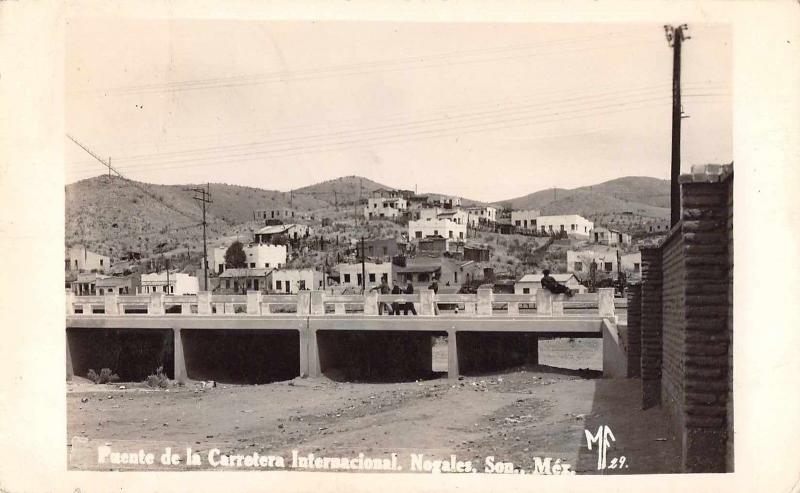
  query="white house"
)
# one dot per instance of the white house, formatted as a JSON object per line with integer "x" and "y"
{"x": 259, "y": 256}
{"x": 477, "y": 215}
{"x": 530, "y": 283}
{"x": 446, "y": 201}
{"x": 290, "y": 231}
{"x": 294, "y": 280}
{"x": 385, "y": 207}
{"x": 572, "y": 224}
{"x": 281, "y": 214}
{"x": 350, "y": 274}
{"x": 579, "y": 261}
{"x": 178, "y": 283}
{"x": 607, "y": 236}
{"x": 525, "y": 219}
{"x": 80, "y": 259}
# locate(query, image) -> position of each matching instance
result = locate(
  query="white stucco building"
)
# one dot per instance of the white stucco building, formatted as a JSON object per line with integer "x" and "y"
{"x": 478, "y": 215}
{"x": 259, "y": 256}
{"x": 525, "y": 219}
{"x": 608, "y": 236}
{"x": 350, "y": 274}
{"x": 80, "y": 259}
{"x": 294, "y": 280}
{"x": 445, "y": 228}
{"x": 289, "y": 231}
{"x": 178, "y": 283}
{"x": 573, "y": 224}
{"x": 385, "y": 207}
{"x": 579, "y": 262}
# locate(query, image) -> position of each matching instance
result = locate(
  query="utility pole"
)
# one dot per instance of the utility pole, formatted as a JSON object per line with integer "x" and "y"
{"x": 204, "y": 198}
{"x": 675, "y": 37}
{"x": 166, "y": 264}
{"x": 363, "y": 268}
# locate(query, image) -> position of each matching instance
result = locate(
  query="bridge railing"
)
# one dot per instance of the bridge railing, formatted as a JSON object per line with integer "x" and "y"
{"x": 305, "y": 303}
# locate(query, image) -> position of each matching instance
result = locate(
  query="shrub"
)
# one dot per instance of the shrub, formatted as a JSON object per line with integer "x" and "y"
{"x": 158, "y": 380}
{"x": 105, "y": 376}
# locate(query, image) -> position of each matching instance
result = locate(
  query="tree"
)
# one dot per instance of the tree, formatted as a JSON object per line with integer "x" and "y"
{"x": 235, "y": 256}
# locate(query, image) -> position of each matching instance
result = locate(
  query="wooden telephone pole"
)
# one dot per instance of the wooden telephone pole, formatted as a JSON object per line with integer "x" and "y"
{"x": 675, "y": 37}
{"x": 204, "y": 198}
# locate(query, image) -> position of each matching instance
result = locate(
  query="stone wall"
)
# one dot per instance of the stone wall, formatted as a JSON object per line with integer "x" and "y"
{"x": 686, "y": 321}
{"x": 633, "y": 339}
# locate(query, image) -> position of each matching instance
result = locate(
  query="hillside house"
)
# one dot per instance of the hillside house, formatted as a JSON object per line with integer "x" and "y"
{"x": 281, "y": 214}
{"x": 85, "y": 283}
{"x": 171, "y": 282}
{"x": 445, "y": 201}
{"x": 572, "y": 224}
{"x": 350, "y": 274}
{"x": 385, "y": 204}
{"x": 291, "y": 281}
{"x": 78, "y": 258}
{"x": 259, "y": 256}
{"x": 530, "y": 283}
{"x": 579, "y": 262}
{"x": 449, "y": 272}
{"x": 525, "y": 219}
{"x": 476, "y": 253}
{"x": 434, "y": 222}
{"x": 118, "y": 284}
{"x": 292, "y": 232}
{"x": 381, "y": 248}
{"x": 481, "y": 215}
{"x": 238, "y": 281}
{"x": 437, "y": 245}
{"x": 608, "y": 236}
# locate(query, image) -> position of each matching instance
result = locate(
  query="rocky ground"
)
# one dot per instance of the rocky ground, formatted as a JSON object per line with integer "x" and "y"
{"x": 513, "y": 416}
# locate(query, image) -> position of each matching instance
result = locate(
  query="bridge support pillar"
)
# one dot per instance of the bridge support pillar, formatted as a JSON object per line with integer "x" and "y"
{"x": 615, "y": 361}
{"x": 70, "y": 370}
{"x": 452, "y": 354}
{"x": 186, "y": 308}
{"x": 179, "y": 357}
{"x": 70, "y": 302}
{"x": 87, "y": 308}
{"x": 513, "y": 309}
{"x": 485, "y": 297}
{"x": 309, "y": 354}
{"x": 254, "y": 302}
{"x": 229, "y": 308}
{"x": 110, "y": 304}
{"x": 204, "y": 303}
{"x": 339, "y": 309}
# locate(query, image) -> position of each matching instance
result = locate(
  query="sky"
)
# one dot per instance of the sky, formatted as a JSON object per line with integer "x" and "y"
{"x": 486, "y": 111}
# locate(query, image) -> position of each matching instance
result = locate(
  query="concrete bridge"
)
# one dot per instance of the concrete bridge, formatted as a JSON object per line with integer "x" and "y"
{"x": 313, "y": 332}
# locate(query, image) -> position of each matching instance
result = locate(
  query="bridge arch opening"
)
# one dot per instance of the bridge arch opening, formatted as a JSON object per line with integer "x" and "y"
{"x": 133, "y": 354}
{"x": 377, "y": 356}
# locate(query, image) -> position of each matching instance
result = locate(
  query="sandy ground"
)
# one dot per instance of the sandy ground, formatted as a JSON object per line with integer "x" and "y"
{"x": 514, "y": 416}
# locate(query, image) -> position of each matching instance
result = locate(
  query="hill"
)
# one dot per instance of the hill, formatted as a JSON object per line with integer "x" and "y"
{"x": 643, "y": 190}
{"x": 340, "y": 191}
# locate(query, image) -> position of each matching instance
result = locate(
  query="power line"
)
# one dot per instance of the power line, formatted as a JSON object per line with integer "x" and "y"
{"x": 448, "y": 117}
{"x": 204, "y": 198}
{"x": 359, "y": 68}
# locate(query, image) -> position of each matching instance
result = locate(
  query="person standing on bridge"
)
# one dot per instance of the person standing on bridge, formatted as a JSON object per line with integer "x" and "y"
{"x": 549, "y": 283}
{"x": 435, "y": 288}
{"x": 383, "y": 288}
{"x": 409, "y": 304}
{"x": 395, "y": 304}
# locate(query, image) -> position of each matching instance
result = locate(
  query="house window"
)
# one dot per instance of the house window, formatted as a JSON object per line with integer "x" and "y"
{"x": 518, "y": 223}
{"x": 252, "y": 265}
{"x": 255, "y": 284}
{"x": 450, "y": 234}
{"x": 172, "y": 289}
{"x": 435, "y": 232}
{"x": 384, "y": 277}
{"x": 385, "y": 250}
{"x": 417, "y": 234}
{"x": 101, "y": 262}
{"x": 461, "y": 234}
{"x": 562, "y": 228}
{"x": 278, "y": 285}
{"x": 359, "y": 278}
{"x": 371, "y": 277}
{"x": 455, "y": 276}
{"x": 573, "y": 227}
{"x": 266, "y": 265}
{"x": 526, "y": 290}
{"x": 608, "y": 266}
{"x": 347, "y": 278}
{"x": 302, "y": 284}
{"x": 542, "y": 229}
{"x": 76, "y": 263}
{"x": 370, "y": 249}
{"x": 578, "y": 266}
{"x": 533, "y": 223}
{"x": 636, "y": 267}
{"x": 101, "y": 290}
